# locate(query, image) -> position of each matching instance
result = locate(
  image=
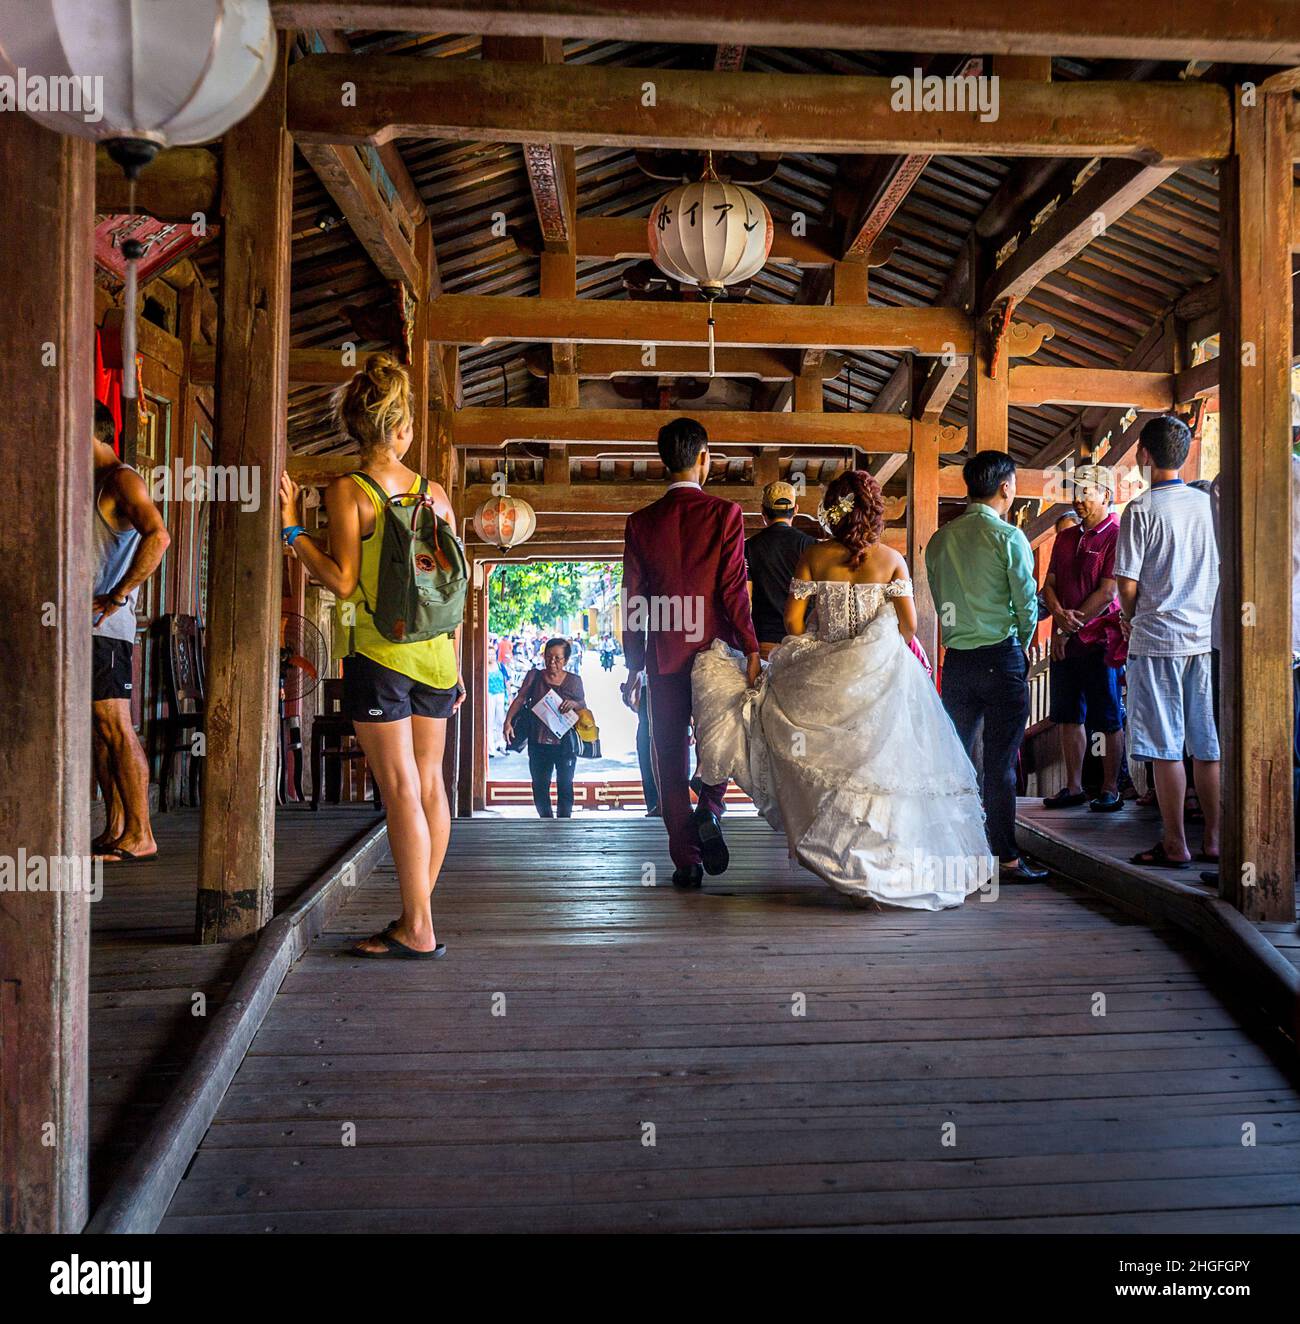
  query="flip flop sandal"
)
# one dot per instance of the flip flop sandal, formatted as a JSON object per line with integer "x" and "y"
{"x": 1202, "y": 858}
{"x": 1155, "y": 858}
{"x": 397, "y": 951}
{"x": 118, "y": 855}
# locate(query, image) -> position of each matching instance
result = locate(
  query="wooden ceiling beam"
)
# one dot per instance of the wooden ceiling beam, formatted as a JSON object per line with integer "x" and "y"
{"x": 468, "y": 319}
{"x": 493, "y": 428}
{"x": 606, "y": 361}
{"x": 617, "y": 498}
{"x": 1032, "y": 384}
{"x": 1246, "y": 31}
{"x": 615, "y": 238}
{"x": 172, "y": 187}
{"x": 602, "y": 105}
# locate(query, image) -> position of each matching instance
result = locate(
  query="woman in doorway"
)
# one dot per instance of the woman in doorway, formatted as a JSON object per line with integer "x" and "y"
{"x": 548, "y": 754}
{"x": 398, "y": 695}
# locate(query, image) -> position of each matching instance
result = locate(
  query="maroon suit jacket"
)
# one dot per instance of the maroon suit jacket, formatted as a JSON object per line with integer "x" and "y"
{"x": 684, "y": 572}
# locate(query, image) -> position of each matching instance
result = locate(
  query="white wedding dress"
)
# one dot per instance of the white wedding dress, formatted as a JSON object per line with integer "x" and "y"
{"x": 846, "y": 748}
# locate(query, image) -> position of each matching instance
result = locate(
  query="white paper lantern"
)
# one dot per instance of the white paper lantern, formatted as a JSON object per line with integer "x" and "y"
{"x": 710, "y": 234}
{"x": 505, "y": 521}
{"x": 136, "y": 75}
{"x": 164, "y": 74}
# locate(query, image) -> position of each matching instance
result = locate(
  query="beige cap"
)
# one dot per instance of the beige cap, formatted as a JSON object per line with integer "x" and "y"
{"x": 779, "y": 497}
{"x": 1095, "y": 475}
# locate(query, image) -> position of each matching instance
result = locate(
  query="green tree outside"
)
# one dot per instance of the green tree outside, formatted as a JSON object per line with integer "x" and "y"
{"x": 538, "y": 592}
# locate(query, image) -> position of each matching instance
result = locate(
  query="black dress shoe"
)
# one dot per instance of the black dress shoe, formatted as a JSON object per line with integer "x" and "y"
{"x": 1064, "y": 799}
{"x": 713, "y": 846}
{"x": 1024, "y": 872}
{"x": 688, "y": 878}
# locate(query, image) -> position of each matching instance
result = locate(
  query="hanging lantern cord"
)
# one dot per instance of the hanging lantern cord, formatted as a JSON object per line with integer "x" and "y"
{"x": 710, "y": 296}
{"x": 132, "y": 250}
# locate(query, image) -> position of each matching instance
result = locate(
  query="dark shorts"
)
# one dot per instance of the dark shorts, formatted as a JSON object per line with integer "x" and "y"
{"x": 375, "y": 693}
{"x": 1085, "y": 688}
{"x": 110, "y": 668}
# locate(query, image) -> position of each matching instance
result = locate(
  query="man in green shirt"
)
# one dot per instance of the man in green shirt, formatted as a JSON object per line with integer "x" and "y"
{"x": 981, "y": 574}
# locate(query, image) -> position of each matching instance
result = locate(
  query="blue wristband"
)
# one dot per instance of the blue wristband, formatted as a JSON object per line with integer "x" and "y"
{"x": 290, "y": 533}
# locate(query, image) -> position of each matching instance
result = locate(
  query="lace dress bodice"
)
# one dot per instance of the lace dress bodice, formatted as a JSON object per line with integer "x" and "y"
{"x": 843, "y": 610}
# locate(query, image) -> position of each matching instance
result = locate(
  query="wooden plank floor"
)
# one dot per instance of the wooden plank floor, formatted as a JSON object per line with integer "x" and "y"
{"x": 1121, "y": 835}
{"x": 948, "y": 1072}
{"x": 145, "y": 968}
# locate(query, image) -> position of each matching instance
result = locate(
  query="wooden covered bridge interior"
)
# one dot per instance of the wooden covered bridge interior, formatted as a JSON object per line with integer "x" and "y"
{"x": 469, "y": 182}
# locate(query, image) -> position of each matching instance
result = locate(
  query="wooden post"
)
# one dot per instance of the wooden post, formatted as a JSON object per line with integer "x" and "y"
{"x": 922, "y": 521}
{"x": 1258, "y": 869}
{"x": 237, "y": 851}
{"x": 422, "y": 446}
{"x": 808, "y": 391}
{"x": 988, "y": 407}
{"x": 478, "y": 660}
{"x": 469, "y": 724}
{"x": 47, "y": 215}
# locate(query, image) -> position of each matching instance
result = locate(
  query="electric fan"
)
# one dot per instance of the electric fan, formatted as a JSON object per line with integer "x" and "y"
{"x": 304, "y": 656}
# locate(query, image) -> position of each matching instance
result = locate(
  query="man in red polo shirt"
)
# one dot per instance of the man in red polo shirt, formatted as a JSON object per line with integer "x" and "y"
{"x": 1081, "y": 594}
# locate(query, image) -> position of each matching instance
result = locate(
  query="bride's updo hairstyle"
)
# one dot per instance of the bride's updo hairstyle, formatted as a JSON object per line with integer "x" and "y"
{"x": 376, "y": 403}
{"x": 860, "y": 527}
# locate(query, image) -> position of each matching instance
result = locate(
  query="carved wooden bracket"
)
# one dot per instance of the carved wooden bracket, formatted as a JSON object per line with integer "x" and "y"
{"x": 1025, "y": 339}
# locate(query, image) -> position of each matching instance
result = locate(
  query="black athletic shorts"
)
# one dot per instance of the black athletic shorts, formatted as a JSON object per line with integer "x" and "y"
{"x": 375, "y": 693}
{"x": 110, "y": 663}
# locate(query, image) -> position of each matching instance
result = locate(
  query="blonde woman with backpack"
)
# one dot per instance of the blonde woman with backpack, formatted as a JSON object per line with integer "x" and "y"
{"x": 398, "y": 692}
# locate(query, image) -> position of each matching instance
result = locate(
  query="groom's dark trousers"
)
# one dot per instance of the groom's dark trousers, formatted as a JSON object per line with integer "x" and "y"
{"x": 990, "y": 686}
{"x": 683, "y": 587}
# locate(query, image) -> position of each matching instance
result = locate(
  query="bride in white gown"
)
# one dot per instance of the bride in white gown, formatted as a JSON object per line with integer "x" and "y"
{"x": 845, "y": 746}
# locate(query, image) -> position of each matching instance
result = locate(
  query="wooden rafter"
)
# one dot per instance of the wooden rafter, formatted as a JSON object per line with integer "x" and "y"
{"x": 548, "y": 164}
{"x": 1096, "y": 205}
{"x": 374, "y": 192}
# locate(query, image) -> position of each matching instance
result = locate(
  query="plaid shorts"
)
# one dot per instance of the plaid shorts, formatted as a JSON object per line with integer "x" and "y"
{"x": 1171, "y": 708}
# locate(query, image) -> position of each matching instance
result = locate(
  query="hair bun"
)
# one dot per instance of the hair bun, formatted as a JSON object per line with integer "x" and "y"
{"x": 376, "y": 402}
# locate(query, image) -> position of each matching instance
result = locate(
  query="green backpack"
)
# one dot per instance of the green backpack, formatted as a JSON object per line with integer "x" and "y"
{"x": 423, "y": 574}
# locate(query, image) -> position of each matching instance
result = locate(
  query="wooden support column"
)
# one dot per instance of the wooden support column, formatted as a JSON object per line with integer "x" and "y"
{"x": 46, "y": 362}
{"x": 922, "y": 522}
{"x": 1258, "y": 869}
{"x": 476, "y": 661}
{"x": 237, "y": 850}
{"x": 422, "y": 447}
{"x": 808, "y": 391}
{"x": 988, "y": 393}
{"x": 469, "y": 756}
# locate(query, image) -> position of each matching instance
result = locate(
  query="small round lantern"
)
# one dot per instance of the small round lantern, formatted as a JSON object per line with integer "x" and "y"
{"x": 505, "y": 521}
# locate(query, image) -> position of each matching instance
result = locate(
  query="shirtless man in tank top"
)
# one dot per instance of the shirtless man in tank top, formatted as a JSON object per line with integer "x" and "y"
{"x": 130, "y": 539}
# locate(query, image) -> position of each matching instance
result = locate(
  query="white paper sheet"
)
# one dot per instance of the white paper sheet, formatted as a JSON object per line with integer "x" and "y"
{"x": 547, "y": 709}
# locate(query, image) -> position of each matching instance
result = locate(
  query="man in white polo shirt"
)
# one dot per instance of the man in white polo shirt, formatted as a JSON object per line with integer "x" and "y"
{"x": 1167, "y": 571}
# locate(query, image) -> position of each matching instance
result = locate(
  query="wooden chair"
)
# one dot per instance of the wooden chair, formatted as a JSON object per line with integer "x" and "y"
{"x": 182, "y": 668}
{"x": 332, "y": 739}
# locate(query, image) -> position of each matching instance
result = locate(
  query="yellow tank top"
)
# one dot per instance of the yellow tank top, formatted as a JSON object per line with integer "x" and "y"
{"x": 430, "y": 661}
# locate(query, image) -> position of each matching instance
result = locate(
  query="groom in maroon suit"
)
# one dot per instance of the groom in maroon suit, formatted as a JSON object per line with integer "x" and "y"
{"x": 683, "y": 587}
